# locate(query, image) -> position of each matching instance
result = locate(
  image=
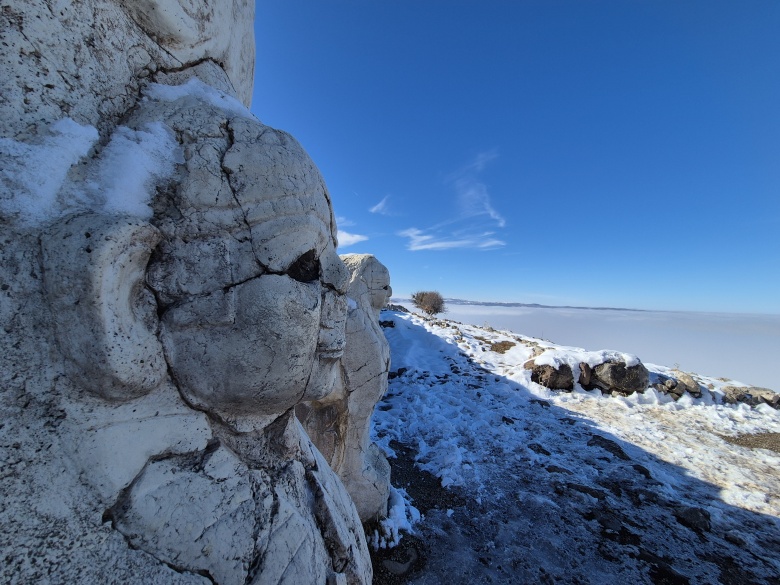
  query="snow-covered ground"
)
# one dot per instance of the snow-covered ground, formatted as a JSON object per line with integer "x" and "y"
{"x": 545, "y": 486}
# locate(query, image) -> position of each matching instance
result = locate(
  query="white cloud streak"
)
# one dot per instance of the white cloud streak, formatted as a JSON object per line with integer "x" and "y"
{"x": 420, "y": 240}
{"x": 346, "y": 239}
{"x": 381, "y": 208}
{"x": 474, "y": 200}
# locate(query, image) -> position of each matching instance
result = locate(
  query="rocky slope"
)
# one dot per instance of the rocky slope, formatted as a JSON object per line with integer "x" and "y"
{"x": 519, "y": 483}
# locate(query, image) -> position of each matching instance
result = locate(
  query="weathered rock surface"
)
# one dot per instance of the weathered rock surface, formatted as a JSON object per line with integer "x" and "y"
{"x": 617, "y": 376}
{"x": 750, "y": 395}
{"x": 88, "y": 60}
{"x": 169, "y": 291}
{"x": 550, "y": 377}
{"x": 339, "y": 424}
{"x": 685, "y": 383}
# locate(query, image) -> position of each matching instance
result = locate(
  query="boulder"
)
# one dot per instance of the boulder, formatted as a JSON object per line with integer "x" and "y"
{"x": 560, "y": 378}
{"x": 586, "y": 375}
{"x": 617, "y": 376}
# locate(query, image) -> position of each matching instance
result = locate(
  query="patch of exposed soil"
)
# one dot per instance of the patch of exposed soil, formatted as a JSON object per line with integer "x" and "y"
{"x": 395, "y": 566}
{"x": 422, "y": 486}
{"x": 769, "y": 441}
{"x": 501, "y": 346}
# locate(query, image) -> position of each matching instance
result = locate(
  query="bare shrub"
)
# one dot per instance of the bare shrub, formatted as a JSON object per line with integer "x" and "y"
{"x": 429, "y": 301}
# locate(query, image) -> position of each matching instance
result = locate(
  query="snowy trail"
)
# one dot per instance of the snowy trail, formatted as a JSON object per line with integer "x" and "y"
{"x": 573, "y": 487}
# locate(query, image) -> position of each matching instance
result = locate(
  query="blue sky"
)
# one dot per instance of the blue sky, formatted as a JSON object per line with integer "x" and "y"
{"x": 605, "y": 152}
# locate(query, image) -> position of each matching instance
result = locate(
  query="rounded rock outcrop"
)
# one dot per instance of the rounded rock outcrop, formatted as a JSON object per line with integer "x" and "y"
{"x": 339, "y": 424}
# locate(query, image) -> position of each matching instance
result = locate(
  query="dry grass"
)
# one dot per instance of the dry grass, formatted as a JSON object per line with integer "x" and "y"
{"x": 769, "y": 441}
{"x": 502, "y": 346}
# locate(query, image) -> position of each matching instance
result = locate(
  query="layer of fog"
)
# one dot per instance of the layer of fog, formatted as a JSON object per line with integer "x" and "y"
{"x": 745, "y": 348}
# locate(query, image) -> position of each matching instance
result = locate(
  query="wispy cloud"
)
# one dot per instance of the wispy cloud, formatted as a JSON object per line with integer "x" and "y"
{"x": 421, "y": 240}
{"x": 346, "y": 239}
{"x": 381, "y": 208}
{"x": 480, "y": 161}
{"x": 474, "y": 200}
{"x": 476, "y": 217}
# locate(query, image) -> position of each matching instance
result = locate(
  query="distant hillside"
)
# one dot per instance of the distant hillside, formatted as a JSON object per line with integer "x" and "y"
{"x": 533, "y": 305}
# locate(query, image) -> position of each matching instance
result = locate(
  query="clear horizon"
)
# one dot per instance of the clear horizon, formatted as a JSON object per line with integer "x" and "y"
{"x": 613, "y": 154}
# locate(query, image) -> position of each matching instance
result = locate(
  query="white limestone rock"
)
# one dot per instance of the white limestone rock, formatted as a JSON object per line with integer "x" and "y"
{"x": 87, "y": 60}
{"x": 250, "y": 242}
{"x": 110, "y": 443}
{"x": 104, "y": 320}
{"x": 194, "y": 30}
{"x": 54, "y": 491}
{"x": 152, "y": 354}
{"x": 369, "y": 282}
{"x": 339, "y": 424}
{"x": 245, "y": 524}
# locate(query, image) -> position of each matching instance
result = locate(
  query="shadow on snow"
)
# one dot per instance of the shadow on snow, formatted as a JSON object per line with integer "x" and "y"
{"x": 540, "y": 494}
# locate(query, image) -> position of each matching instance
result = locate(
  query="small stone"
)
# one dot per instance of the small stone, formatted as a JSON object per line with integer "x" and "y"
{"x": 538, "y": 449}
{"x": 697, "y": 519}
{"x": 686, "y": 383}
{"x": 734, "y": 538}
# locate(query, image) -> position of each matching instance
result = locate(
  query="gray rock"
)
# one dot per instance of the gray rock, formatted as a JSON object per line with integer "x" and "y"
{"x": 676, "y": 386}
{"x": 586, "y": 376}
{"x": 750, "y": 395}
{"x": 550, "y": 377}
{"x": 615, "y": 376}
{"x": 608, "y": 445}
{"x": 686, "y": 383}
{"x": 697, "y": 519}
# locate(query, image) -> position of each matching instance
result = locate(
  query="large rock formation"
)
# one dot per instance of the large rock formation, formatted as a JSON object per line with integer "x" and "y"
{"x": 339, "y": 423}
{"x": 169, "y": 291}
